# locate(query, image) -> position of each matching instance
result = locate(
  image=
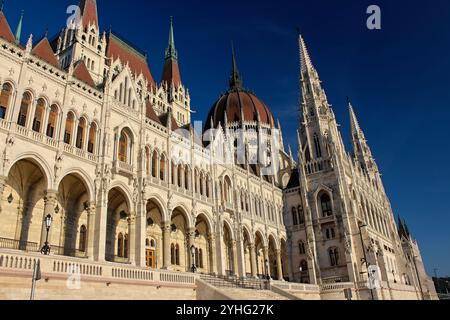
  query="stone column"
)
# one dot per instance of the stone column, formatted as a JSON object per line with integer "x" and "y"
{"x": 266, "y": 261}
{"x": 141, "y": 225}
{"x": 190, "y": 243}
{"x": 132, "y": 239}
{"x": 235, "y": 258}
{"x": 212, "y": 254}
{"x": 279, "y": 266}
{"x": 50, "y": 202}
{"x": 91, "y": 212}
{"x": 166, "y": 244}
{"x": 101, "y": 217}
{"x": 253, "y": 260}
{"x": 2, "y": 190}
{"x": 220, "y": 253}
{"x": 240, "y": 258}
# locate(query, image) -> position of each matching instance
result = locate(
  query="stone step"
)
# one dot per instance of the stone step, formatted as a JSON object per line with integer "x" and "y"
{"x": 246, "y": 294}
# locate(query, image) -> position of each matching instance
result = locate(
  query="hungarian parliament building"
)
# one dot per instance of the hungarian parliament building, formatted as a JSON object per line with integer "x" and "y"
{"x": 105, "y": 180}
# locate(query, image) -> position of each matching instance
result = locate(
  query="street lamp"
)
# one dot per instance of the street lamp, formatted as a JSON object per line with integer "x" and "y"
{"x": 300, "y": 269}
{"x": 48, "y": 223}
{"x": 193, "y": 268}
{"x": 360, "y": 226}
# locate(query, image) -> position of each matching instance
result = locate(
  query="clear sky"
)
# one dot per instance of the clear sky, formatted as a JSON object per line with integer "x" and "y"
{"x": 398, "y": 78}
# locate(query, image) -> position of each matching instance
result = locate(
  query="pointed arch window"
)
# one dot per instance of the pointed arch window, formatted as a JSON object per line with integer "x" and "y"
{"x": 83, "y": 235}
{"x": 177, "y": 254}
{"x": 294, "y": 216}
{"x": 120, "y": 245}
{"x": 200, "y": 256}
{"x": 162, "y": 168}
{"x": 38, "y": 115}
{"x": 24, "y": 108}
{"x": 301, "y": 248}
{"x": 301, "y": 215}
{"x": 69, "y": 128}
{"x": 80, "y": 133}
{"x": 334, "y": 256}
{"x": 172, "y": 254}
{"x": 125, "y": 146}
{"x": 5, "y": 99}
{"x": 92, "y": 138}
{"x": 325, "y": 202}
{"x": 52, "y": 121}
{"x": 317, "y": 146}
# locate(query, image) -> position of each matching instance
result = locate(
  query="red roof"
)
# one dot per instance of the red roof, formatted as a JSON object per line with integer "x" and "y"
{"x": 5, "y": 30}
{"x": 171, "y": 72}
{"x": 81, "y": 73}
{"x": 150, "y": 112}
{"x": 137, "y": 62}
{"x": 89, "y": 12}
{"x": 44, "y": 51}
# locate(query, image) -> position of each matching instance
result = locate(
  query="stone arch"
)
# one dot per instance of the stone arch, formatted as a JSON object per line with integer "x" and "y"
{"x": 273, "y": 239}
{"x": 39, "y": 161}
{"x": 159, "y": 201}
{"x": 124, "y": 188}
{"x": 84, "y": 177}
{"x": 263, "y": 238}
{"x": 185, "y": 211}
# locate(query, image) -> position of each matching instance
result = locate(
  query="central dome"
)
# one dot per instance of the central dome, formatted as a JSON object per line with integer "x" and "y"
{"x": 239, "y": 105}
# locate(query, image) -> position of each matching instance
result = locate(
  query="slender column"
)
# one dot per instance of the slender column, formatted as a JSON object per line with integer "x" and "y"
{"x": 220, "y": 253}
{"x": 91, "y": 212}
{"x": 279, "y": 265}
{"x": 266, "y": 261}
{"x": 132, "y": 239}
{"x": 100, "y": 227}
{"x": 85, "y": 144}
{"x": 141, "y": 225}
{"x": 235, "y": 258}
{"x": 50, "y": 202}
{"x": 212, "y": 254}
{"x": 30, "y": 116}
{"x": 2, "y": 190}
{"x": 240, "y": 257}
{"x": 166, "y": 244}
{"x": 253, "y": 260}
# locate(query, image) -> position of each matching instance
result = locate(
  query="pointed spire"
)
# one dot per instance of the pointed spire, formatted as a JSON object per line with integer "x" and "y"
{"x": 19, "y": 29}
{"x": 171, "y": 52}
{"x": 305, "y": 60}
{"x": 235, "y": 78}
{"x": 89, "y": 15}
{"x": 356, "y": 129}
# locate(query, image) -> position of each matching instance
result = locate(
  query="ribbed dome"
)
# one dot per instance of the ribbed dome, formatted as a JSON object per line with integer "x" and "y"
{"x": 239, "y": 105}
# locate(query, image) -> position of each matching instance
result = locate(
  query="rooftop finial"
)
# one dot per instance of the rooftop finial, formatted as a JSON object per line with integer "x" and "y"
{"x": 235, "y": 78}
{"x": 19, "y": 28}
{"x": 171, "y": 52}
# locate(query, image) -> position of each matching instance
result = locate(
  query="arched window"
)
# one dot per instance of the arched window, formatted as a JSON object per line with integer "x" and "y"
{"x": 92, "y": 138}
{"x": 147, "y": 242}
{"x": 317, "y": 145}
{"x": 125, "y": 145}
{"x": 24, "y": 108}
{"x": 38, "y": 115}
{"x": 79, "y": 143}
{"x": 325, "y": 203}
{"x": 5, "y": 99}
{"x": 83, "y": 234}
{"x": 177, "y": 255}
{"x": 187, "y": 176}
{"x": 301, "y": 247}
{"x": 120, "y": 245}
{"x": 69, "y": 128}
{"x": 154, "y": 164}
{"x": 207, "y": 186}
{"x": 301, "y": 215}
{"x": 334, "y": 257}
{"x": 197, "y": 258}
{"x": 52, "y": 121}
{"x": 172, "y": 254}
{"x": 200, "y": 256}
{"x": 162, "y": 168}
{"x": 125, "y": 246}
{"x": 294, "y": 216}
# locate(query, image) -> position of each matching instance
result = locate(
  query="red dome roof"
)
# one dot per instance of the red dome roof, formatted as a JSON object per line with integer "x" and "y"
{"x": 239, "y": 105}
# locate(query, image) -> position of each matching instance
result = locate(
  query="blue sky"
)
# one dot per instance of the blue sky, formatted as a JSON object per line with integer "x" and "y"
{"x": 398, "y": 78}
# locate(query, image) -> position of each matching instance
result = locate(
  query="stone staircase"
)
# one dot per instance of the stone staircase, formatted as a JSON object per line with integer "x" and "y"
{"x": 243, "y": 289}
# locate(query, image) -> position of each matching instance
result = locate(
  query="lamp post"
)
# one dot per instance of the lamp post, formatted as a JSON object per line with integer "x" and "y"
{"x": 360, "y": 226}
{"x": 301, "y": 276}
{"x": 193, "y": 268}
{"x": 48, "y": 223}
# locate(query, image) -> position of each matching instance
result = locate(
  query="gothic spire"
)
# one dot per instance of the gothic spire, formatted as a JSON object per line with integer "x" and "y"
{"x": 171, "y": 71}
{"x": 171, "y": 52}
{"x": 89, "y": 15}
{"x": 305, "y": 60}
{"x": 19, "y": 28}
{"x": 235, "y": 78}
{"x": 361, "y": 150}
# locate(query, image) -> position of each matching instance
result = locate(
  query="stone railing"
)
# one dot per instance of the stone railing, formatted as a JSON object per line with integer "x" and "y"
{"x": 58, "y": 266}
{"x": 295, "y": 286}
{"x": 337, "y": 286}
